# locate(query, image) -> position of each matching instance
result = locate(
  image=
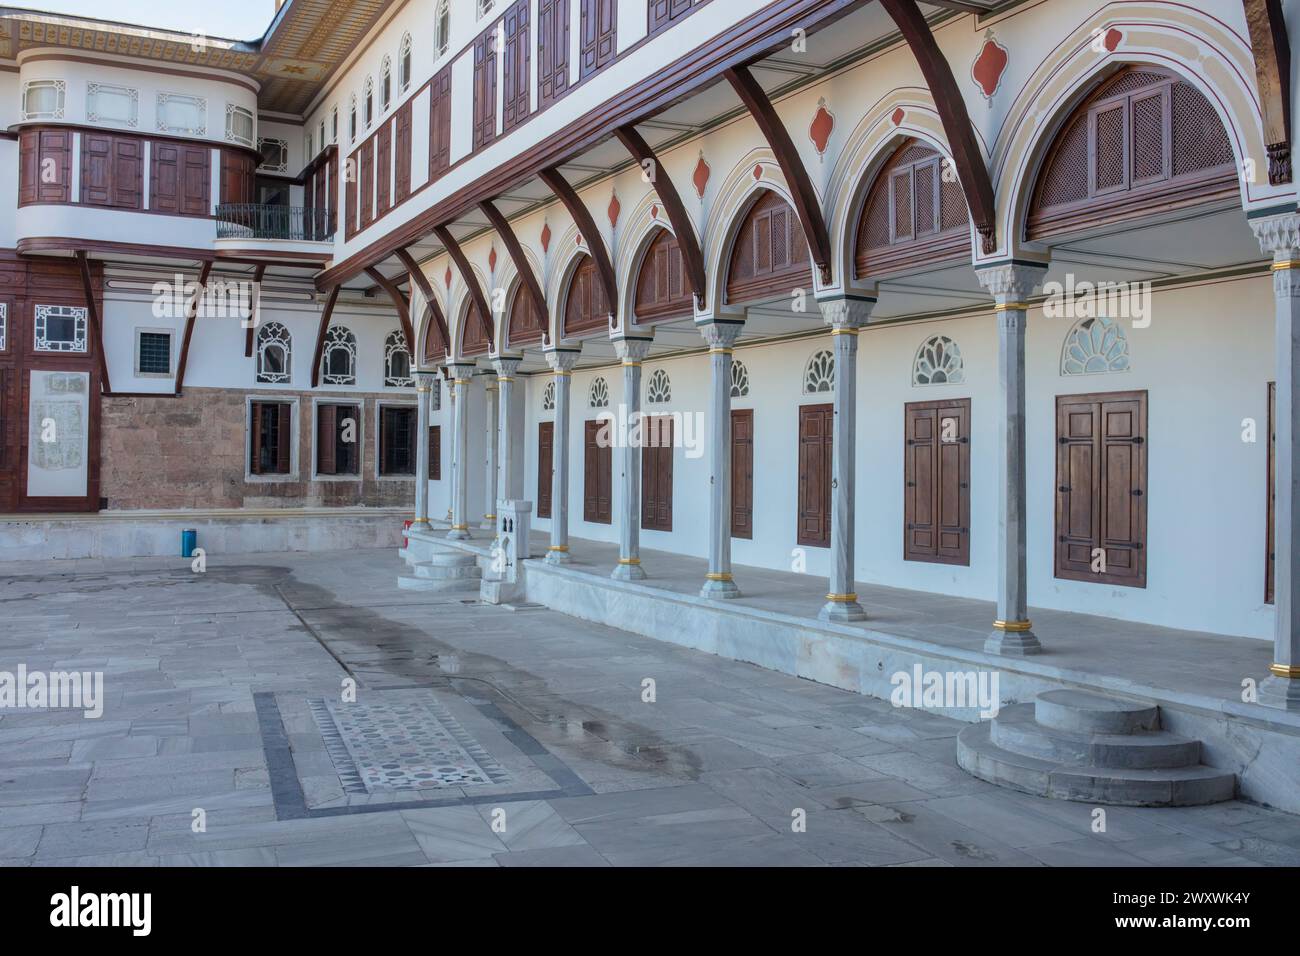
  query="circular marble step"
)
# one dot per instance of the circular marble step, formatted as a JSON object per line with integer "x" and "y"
{"x": 1090, "y": 713}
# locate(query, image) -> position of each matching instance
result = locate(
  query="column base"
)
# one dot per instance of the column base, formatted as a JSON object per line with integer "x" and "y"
{"x": 628, "y": 569}
{"x": 458, "y": 532}
{"x": 842, "y": 608}
{"x": 1012, "y": 639}
{"x": 558, "y": 554}
{"x": 719, "y": 588}
{"x": 489, "y": 521}
{"x": 1280, "y": 693}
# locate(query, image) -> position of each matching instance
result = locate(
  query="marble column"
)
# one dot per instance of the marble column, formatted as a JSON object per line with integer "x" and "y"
{"x": 506, "y": 367}
{"x": 1011, "y": 285}
{"x": 490, "y": 454}
{"x": 460, "y": 490}
{"x": 631, "y": 353}
{"x": 721, "y": 337}
{"x": 1279, "y": 236}
{"x": 562, "y": 362}
{"x": 846, "y": 315}
{"x": 425, "y": 383}
{"x": 450, "y": 382}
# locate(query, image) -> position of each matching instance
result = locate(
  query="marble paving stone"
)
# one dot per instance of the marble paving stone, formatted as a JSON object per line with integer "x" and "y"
{"x": 529, "y": 825}
{"x": 842, "y": 836}
{"x": 19, "y": 841}
{"x": 446, "y": 834}
{"x": 89, "y": 838}
{"x": 952, "y": 841}
{"x": 824, "y": 770}
{"x": 581, "y": 855}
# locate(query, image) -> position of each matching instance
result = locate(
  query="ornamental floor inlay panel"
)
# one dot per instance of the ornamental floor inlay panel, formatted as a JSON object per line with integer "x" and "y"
{"x": 402, "y": 740}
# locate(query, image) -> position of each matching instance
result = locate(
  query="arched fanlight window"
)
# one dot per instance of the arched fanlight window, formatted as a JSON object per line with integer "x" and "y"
{"x": 548, "y": 397}
{"x": 739, "y": 380}
{"x": 598, "y": 396}
{"x": 385, "y": 82}
{"x": 819, "y": 374}
{"x": 397, "y": 361}
{"x": 404, "y": 63}
{"x": 442, "y": 27}
{"x": 273, "y": 354}
{"x": 659, "y": 390}
{"x": 370, "y": 100}
{"x": 338, "y": 364}
{"x": 352, "y": 119}
{"x": 938, "y": 362}
{"x": 1095, "y": 345}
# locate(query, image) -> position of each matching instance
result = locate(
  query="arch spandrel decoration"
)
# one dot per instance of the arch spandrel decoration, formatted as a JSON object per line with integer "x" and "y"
{"x": 662, "y": 290}
{"x": 586, "y": 307}
{"x": 769, "y": 258}
{"x": 915, "y": 214}
{"x": 526, "y": 326}
{"x": 474, "y": 338}
{"x": 1144, "y": 141}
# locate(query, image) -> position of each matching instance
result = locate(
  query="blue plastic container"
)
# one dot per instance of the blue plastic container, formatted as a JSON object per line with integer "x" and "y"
{"x": 189, "y": 541}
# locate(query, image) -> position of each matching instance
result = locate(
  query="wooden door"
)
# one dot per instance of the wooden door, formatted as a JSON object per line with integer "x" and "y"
{"x": 816, "y": 430}
{"x": 657, "y": 473}
{"x": 545, "y": 466}
{"x": 1101, "y": 487}
{"x": 742, "y": 473}
{"x": 936, "y": 482}
{"x": 597, "y": 474}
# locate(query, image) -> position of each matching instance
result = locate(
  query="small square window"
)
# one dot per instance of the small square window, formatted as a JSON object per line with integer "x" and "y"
{"x": 43, "y": 99}
{"x": 153, "y": 353}
{"x": 60, "y": 328}
{"x": 119, "y": 105}
{"x": 182, "y": 114}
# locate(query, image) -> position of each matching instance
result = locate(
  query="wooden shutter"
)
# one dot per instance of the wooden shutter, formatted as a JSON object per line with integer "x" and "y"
{"x": 39, "y": 152}
{"x": 552, "y": 50}
{"x": 28, "y": 167}
{"x": 816, "y": 428}
{"x": 664, "y": 12}
{"x": 237, "y": 177}
{"x": 255, "y": 438}
{"x": 403, "y": 184}
{"x": 657, "y": 473}
{"x": 384, "y": 169}
{"x": 545, "y": 466}
{"x": 936, "y": 482}
{"x": 367, "y": 182}
{"x": 585, "y": 307}
{"x": 435, "y": 453}
{"x": 742, "y": 473}
{"x": 180, "y": 181}
{"x": 597, "y": 475}
{"x": 517, "y": 75}
{"x": 284, "y": 439}
{"x": 485, "y": 88}
{"x": 1101, "y": 487}
{"x": 1270, "y": 546}
{"x": 96, "y": 169}
{"x": 327, "y": 436}
{"x": 661, "y": 289}
{"x": 599, "y": 35}
{"x": 351, "y": 197}
{"x": 770, "y": 258}
{"x": 440, "y": 124}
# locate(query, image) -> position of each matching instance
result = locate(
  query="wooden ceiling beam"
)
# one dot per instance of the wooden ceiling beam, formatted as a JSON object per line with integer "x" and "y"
{"x": 526, "y": 274}
{"x": 467, "y": 273}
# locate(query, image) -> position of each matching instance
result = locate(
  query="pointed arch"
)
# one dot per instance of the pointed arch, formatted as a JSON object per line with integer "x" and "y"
{"x": 769, "y": 255}
{"x": 661, "y": 290}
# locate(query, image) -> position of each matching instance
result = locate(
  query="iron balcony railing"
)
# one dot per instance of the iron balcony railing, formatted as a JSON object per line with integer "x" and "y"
{"x": 246, "y": 220}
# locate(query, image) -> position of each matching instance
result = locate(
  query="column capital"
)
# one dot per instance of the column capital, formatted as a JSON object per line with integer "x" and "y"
{"x": 1278, "y": 236}
{"x": 506, "y": 365}
{"x": 461, "y": 370}
{"x": 562, "y": 359}
{"x": 720, "y": 334}
{"x": 426, "y": 378}
{"x": 846, "y": 310}
{"x": 631, "y": 350}
{"x": 1011, "y": 283}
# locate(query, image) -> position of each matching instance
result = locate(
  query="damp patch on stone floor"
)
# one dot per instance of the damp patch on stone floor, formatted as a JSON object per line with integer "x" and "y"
{"x": 402, "y": 740}
{"x": 398, "y": 748}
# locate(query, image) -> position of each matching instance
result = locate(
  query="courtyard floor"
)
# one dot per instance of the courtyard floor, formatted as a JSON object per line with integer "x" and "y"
{"x": 484, "y": 736}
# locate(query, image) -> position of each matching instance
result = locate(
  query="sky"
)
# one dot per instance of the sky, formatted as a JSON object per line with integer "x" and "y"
{"x": 232, "y": 19}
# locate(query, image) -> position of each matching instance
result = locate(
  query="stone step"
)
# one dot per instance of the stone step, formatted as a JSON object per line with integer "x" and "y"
{"x": 977, "y": 754}
{"x": 1086, "y": 712}
{"x": 1016, "y": 730}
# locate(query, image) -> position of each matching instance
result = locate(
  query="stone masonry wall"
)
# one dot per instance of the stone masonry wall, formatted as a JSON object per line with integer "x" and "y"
{"x": 190, "y": 451}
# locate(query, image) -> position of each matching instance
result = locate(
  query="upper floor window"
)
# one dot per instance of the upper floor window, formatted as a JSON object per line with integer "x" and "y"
{"x": 385, "y": 83}
{"x": 43, "y": 99}
{"x": 1144, "y": 141}
{"x": 442, "y": 27}
{"x": 404, "y": 63}
{"x": 819, "y": 373}
{"x": 273, "y": 352}
{"x": 370, "y": 100}
{"x": 307, "y": 150}
{"x": 664, "y": 13}
{"x": 60, "y": 328}
{"x": 485, "y": 7}
{"x": 352, "y": 119}
{"x": 118, "y": 105}
{"x": 182, "y": 114}
{"x": 239, "y": 125}
{"x": 397, "y": 361}
{"x": 4, "y": 325}
{"x": 275, "y": 155}
{"x": 322, "y": 134}
{"x": 334, "y": 125}
{"x": 339, "y": 361}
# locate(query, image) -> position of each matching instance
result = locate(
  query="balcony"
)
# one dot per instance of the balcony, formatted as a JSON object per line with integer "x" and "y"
{"x": 241, "y": 220}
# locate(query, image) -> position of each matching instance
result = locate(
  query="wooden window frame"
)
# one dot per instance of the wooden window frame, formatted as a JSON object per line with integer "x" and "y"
{"x": 961, "y": 446}
{"x": 253, "y": 471}
{"x": 382, "y": 472}
{"x": 827, "y": 411}
{"x": 318, "y": 473}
